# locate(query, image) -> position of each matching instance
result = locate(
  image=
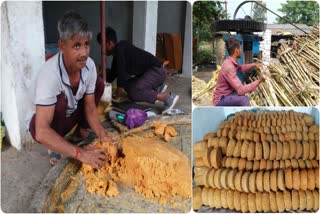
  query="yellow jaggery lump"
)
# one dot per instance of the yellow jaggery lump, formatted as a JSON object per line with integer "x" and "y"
{"x": 154, "y": 169}
{"x": 163, "y": 130}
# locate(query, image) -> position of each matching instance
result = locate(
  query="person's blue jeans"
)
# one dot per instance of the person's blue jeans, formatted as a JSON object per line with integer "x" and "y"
{"x": 234, "y": 100}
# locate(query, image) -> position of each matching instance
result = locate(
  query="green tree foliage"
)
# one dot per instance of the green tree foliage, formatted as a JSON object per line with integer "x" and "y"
{"x": 204, "y": 12}
{"x": 259, "y": 13}
{"x": 300, "y": 12}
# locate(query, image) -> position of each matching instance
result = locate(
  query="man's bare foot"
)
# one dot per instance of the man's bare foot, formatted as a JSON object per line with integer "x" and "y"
{"x": 163, "y": 96}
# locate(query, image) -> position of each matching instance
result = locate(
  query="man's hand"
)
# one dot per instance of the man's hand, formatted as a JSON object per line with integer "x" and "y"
{"x": 257, "y": 65}
{"x": 106, "y": 138}
{"x": 261, "y": 78}
{"x": 95, "y": 157}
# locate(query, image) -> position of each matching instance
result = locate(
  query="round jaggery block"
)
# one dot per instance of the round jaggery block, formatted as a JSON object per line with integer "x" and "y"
{"x": 295, "y": 199}
{"x": 266, "y": 202}
{"x": 273, "y": 202}
{"x": 230, "y": 148}
{"x": 252, "y": 203}
{"x": 216, "y": 178}
{"x": 204, "y": 196}
{"x": 245, "y": 181}
{"x": 251, "y": 151}
{"x": 210, "y": 178}
{"x": 224, "y": 199}
{"x": 259, "y": 201}
{"x": 312, "y": 150}
{"x": 273, "y": 151}
{"x": 311, "y": 179}
{"x": 293, "y": 149}
{"x": 287, "y": 200}
{"x": 279, "y": 151}
{"x": 306, "y": 150}
{"x": 196, "y": 198}
{"x": 280, "y": 201}
{"x": 258, "y": 151}
{"x": 296, "y": 179}
{"x": 234, "y": 163}
{"x": 266, "y": 150}
{"x": 231, "y": 179}
{"x": 256, "y": 165}
{"x": 294, "y": 164}
{"x": 237, "y": 149}
{"x": 249, "y": 165}
{"x": 223, "y": 179}
{"x": 288, "y": 178}
{"x": 211, "y": 197}
{"x": 215, "y": 158}
{"x": 303, "y": 180}
{"x": 287, "y": 164}
{"x": 273, "y": 181}
{"x": 252, "y": 182}
{"x": 316, "y": 174}
{"x": 237, "y": 181}
{"x": 281, "y": 180}
{"x": 315, "y": 200}
{"x": 266, "y": 181}
{"x": 259, "y": 181}
{"x": 315, "y": 163}
{"x": 242, "y": 163}
{"x": 236, "y": 200}
{"x": 285, "y": 151}
{"x": 299, "y": 151}
{"x": 309, "y": 197}
{"x": 244, "y": 202}
{"x": 256, "y": 137}
{"x": 263, "y": 164}
{"x": 230, "y": 199}
{"x": 217, "y": 198}
{"x": 276, "y": 164}
{"x": 244, "y": 149}
{"x": 302, "y": 200}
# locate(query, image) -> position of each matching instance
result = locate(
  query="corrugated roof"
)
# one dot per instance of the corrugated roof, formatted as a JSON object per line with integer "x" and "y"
{"x": 277, "y": 29}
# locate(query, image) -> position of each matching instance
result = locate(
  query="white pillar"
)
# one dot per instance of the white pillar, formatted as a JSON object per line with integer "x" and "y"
{"x": 265, "y": 46}
{"x": 145, "y": 18}
{"x": 187, "y": 47}
{"x": 22, "y": 54}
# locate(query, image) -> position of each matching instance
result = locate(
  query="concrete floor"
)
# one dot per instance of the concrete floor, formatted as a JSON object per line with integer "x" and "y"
{"x": 23, "y": 171}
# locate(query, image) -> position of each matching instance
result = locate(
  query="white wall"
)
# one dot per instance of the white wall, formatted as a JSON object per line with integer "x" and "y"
{"x": 145, "y": 17}
{"x": 22, "y": 54}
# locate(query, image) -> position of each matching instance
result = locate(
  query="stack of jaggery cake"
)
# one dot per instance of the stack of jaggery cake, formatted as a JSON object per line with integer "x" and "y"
{"x": 265, "y": 161}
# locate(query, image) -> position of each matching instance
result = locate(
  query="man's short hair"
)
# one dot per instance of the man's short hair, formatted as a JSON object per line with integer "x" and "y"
{"x": 111, "y": 35}
{"x": 72, "y": 23}
{"x": 232, "y": 45}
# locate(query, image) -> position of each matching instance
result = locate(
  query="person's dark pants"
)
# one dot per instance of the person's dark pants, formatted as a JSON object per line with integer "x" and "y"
{"x": 63, "y": 124}
{"x": 234, "y": 100}
{"x": 144, "y": 87}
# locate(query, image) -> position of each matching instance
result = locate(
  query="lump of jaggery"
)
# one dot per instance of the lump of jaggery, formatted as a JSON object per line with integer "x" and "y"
{"x": 155, "y": 169}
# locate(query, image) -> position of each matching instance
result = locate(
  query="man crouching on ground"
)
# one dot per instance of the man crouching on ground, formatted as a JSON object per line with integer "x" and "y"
{"x": 67, "y": 92}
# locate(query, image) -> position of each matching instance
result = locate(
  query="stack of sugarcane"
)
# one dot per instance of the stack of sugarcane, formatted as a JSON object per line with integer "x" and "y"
{"x": 295, "y": 80}
{"x": 259, "y": 162}
{"x": 202, "y": 91}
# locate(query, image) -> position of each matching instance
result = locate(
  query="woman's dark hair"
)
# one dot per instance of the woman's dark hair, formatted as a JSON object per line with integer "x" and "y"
{"x": 111, "y": 35}
{"x": 232, "y": 45}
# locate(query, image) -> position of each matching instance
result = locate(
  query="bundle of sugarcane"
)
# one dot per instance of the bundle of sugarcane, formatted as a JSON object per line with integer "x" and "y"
{"x": 202, "y": 91}
{"x": 295, "y": 80}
